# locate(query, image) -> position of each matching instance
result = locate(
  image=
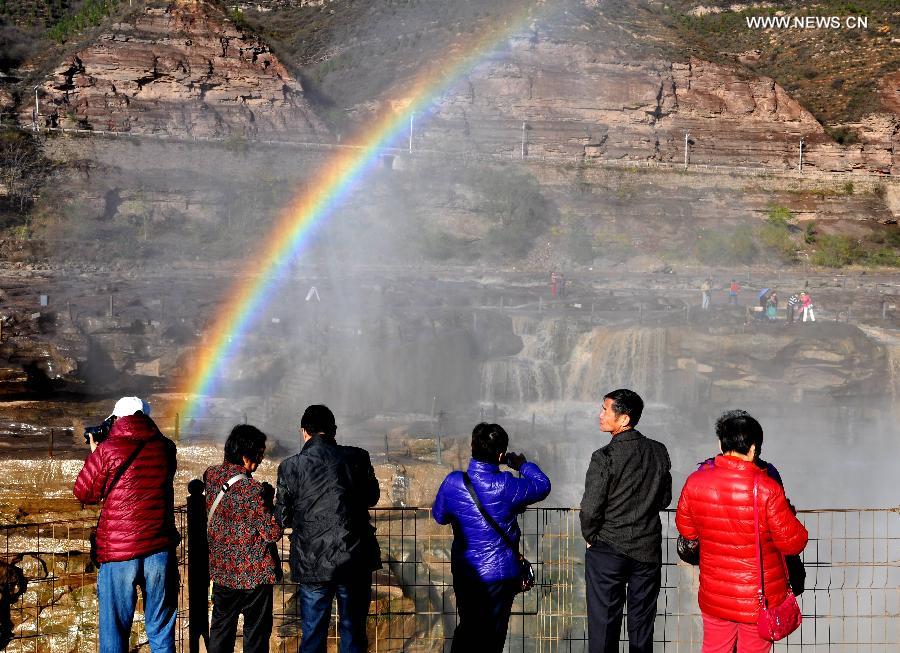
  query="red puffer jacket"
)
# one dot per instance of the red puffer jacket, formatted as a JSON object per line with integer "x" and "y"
{"x": 716, "y": 506}
{"x": 138, "y": 516}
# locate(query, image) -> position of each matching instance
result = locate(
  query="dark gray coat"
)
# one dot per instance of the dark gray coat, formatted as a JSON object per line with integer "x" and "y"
{"x": 628, "y": 482}
{"x": 324, "y": 493}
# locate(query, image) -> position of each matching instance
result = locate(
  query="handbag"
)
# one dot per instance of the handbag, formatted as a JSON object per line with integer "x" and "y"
{"x": 688, "y": 550}
{"x": 526, "y": 571}
{"x": 773, "y": 623}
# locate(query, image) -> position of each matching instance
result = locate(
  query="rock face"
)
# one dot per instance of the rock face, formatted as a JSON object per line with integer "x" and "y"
{"x": 576, "y": 99}
{"x": 183, "y": 70}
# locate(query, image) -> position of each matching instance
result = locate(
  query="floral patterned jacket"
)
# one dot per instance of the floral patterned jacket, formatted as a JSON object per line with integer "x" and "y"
{"x": 241, "y": 555}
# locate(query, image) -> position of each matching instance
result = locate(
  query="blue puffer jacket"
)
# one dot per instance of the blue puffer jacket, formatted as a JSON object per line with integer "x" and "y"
{"x": 478, "y": 551}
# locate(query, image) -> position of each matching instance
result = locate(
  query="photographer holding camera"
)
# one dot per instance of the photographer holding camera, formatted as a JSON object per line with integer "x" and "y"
{"x": 482, "y": 504}
{"x": 130, "y": 470}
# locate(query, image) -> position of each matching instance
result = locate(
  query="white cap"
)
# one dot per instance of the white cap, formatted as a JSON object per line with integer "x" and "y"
{"x": 127, "y": 406}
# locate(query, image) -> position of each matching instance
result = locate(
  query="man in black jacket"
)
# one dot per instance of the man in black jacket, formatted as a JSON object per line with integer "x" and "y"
{"x": 324, "y": 495}
{"x": 628, "y": 482}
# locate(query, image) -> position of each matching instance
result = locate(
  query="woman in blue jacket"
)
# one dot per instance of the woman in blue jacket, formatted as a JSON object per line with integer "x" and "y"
{"x": 485, "y": 569}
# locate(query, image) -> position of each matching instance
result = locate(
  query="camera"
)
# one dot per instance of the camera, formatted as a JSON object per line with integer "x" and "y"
{"x": 100, "y": 432}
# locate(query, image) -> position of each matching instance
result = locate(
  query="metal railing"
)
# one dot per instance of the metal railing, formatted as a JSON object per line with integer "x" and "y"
{"x": 852, "y": 600}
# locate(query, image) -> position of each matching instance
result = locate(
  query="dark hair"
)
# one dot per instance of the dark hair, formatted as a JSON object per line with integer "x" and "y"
{"x": 244, "y": 440}
{"x": 627, "y": 402}
{"x": 318, "y": 420}
{"x": 488, "y": 442}
{"x": 738, "y": 431}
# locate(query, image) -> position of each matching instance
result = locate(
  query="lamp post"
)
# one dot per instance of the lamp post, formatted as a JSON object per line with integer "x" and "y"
{"x": 687, "y": 137}
{"x": 800, "y": 163}
{"x": 37, "y": 110}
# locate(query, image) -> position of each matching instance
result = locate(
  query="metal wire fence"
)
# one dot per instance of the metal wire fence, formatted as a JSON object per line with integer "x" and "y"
{"x": 852, "y": 600}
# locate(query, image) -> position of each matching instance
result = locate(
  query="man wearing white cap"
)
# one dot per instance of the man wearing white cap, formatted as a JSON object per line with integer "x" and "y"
{"x": 131, "y": 473}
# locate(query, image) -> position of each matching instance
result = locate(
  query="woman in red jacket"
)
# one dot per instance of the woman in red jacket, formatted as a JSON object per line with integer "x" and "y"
{"x": 716, "y": 507}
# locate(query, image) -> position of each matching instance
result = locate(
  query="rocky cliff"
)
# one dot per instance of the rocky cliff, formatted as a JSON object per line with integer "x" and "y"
{"x": 578, "y": 99}
{"x": 179, "y": 70}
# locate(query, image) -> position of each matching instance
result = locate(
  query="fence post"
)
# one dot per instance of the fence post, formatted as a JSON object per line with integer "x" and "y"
{"x": 51, "y": 443}
{"x": 198, "y": 567}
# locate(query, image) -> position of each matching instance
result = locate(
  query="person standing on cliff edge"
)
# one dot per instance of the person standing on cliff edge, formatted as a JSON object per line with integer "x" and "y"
{"x": 627, "y": 483}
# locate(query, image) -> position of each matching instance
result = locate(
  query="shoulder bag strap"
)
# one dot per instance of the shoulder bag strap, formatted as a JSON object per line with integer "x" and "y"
{"x": 490, "y": 520}
{"x": 119, "y": 472}
{"x": 225, "y": 487}
{"x": 762, "y": 595}
{"x": 762, "y": 592}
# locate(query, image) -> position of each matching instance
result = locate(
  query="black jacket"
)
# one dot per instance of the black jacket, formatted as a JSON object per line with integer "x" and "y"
{"x": 628, "y": 482}
{"x": 324, "y": 493}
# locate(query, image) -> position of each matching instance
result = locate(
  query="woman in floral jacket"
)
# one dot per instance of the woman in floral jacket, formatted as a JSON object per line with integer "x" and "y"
{"x": 243, "y": 563}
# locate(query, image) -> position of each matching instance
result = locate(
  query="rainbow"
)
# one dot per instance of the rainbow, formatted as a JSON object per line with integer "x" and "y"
{"x": 337, "y": 177}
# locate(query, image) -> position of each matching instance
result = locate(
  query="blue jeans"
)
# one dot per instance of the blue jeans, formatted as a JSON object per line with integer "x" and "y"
{"x": 117, "y": 583}
{"x": 315, "y": 614}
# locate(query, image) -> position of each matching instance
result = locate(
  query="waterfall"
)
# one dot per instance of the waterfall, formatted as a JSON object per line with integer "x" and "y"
{"x": 535, "y": 373}
{"x": 606, "y": 359}
{"x": 558, "y": 363}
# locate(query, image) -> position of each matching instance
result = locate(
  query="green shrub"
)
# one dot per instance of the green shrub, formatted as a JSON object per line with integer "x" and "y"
{"x": 779, "y": 216}
{"x": 885, "y": 256}
{"x": 719, "y": 248}
{"x": 92, "y": 13}
{"x": 809, "y": 233}
{"x": 775, "y": 236}
{"x": 837, "y": 251}
{"x": 514, "y": 207}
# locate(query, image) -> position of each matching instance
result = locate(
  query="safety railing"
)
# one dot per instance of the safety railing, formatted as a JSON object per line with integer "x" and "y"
{"x": 851, "y": 603}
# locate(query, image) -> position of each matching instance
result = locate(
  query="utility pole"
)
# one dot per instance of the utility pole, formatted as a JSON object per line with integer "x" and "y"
{"x": 687, "y": 136}
{"x": 523, "y": 139}
{"x": 411, "y": 117}
{"x": 800, "y": 164}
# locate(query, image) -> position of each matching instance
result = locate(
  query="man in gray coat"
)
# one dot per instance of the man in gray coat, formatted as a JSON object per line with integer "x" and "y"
{"x": 628, "y": 482}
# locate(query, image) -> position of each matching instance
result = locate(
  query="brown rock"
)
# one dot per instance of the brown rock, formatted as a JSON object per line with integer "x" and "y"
{"x": 183, "y": 70}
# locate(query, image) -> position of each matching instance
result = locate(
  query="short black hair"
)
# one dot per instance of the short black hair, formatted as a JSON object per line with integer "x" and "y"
{"x": 737, "y": 431}
{"x": 488, "y": 442}
{"x": 627, "y": 402}
{"x": 318, "y": 420}
{"x": 244, "y": 440}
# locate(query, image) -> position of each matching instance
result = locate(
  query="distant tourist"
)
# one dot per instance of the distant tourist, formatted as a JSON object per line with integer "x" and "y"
{"x": 131, "y": 473}
{"x": 324, "y": 495}
{"x": 628, "y": 482}
{"x": 705, "y": 290}
{"x": 554, "y": 284}
{"x": 717, "y": 508}
{"x": 485, "y": 564}
{"x": 793, "y": 303}
{"x": 807, "y": 307}
{"x": 772, "y": 306}
{"x": 733, "y": 291}
{"x": 241, "y": 530}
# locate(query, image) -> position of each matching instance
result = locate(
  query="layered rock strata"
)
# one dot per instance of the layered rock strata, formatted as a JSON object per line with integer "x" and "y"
{"x": 576, "y": 99}
{"x": 182, "y": 70}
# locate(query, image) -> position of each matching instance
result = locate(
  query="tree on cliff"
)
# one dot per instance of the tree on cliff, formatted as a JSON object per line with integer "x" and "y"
{"x": 23, "y": 169}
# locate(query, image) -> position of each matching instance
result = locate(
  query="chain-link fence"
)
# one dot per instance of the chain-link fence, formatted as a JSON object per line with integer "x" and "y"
{"x": 852, "y": 600}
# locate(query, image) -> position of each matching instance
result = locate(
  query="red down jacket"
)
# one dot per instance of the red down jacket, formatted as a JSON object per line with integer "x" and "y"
{"x": 138, "y": 516}
{"x": 716, "y": 506}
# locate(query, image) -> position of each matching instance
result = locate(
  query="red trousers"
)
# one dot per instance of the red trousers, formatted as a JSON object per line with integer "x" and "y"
{"x": 720, "y": 636}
